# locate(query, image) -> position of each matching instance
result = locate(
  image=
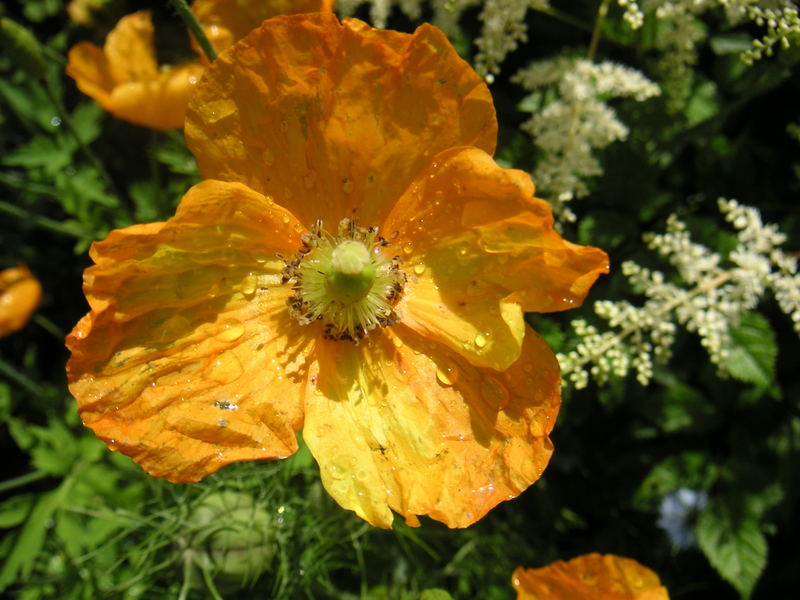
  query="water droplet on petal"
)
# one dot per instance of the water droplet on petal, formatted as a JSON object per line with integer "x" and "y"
{"x": 408, "y": 248}
{"x": 230, "y": 330}
{"x": 419, "y": 269}
{"x": 398, "y": 343}
{"x": 225, "y": 367}
{"x": 480, "y": 341}
{"x": 286, "y": 218}
{"x": 447, "y": 373}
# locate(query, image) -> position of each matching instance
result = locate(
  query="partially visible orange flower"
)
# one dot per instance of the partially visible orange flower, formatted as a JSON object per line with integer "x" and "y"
{"x": 20, "y": 293}
{"x": 355, "y": 265}
{"x": 589, "y": 577}
{"x": 124, "y": 77}
{"x": 227, "y": 21}
{"x": 80, "y": 11}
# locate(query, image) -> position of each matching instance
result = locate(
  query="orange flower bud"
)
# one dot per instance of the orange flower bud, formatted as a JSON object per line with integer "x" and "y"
{"x": 20, "y": 293}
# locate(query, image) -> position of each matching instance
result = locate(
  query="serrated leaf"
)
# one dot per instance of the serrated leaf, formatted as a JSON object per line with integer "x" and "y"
{"x": 751, "y": 357}
{"x": 733, "y": 542}
{"x": 46, "y": 153}
{"x": 86, "y": 120}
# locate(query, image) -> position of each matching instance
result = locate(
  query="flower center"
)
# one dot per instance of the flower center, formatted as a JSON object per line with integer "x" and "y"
{"x": 344, "y": 280}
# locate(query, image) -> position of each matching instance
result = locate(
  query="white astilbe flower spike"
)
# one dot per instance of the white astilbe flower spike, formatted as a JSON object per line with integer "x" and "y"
{"x": 633, "y": 14}
{"x": 503, "y": 30}
{"x": 577, "y": 122}
{"x": 710, "y": 299}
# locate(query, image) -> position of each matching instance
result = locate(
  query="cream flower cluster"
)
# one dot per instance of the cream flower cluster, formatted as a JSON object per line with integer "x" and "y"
{"x": 712, "y": 296}
{"x": 577, "y": 122}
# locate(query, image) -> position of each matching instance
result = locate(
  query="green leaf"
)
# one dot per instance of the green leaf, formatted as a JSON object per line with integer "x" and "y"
{"x": 731, "y": 43}
{"x": 752, "y": 355}
{"x": 732, "y": 540}
{"x": 44, "y": 152}
{"x": 14, "y": 510}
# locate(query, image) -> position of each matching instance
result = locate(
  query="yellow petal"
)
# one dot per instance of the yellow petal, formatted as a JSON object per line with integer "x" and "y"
{"x": 328, "y": 116}
{"x": 401, "y": 423}
{"x": 228, "y": 21}
{"x": 589, "y": 577}
{"x": 160, "y": 102}
{"x": 88, "y": 66}
{"x": 477, "y": 227}
{"x": 188, "y": 359}
{"x": 130, "y": 50}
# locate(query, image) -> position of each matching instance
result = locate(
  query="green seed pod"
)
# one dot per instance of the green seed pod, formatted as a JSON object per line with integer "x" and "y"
{"x": 21, "y": 46}
{"x": 235, "y": 536}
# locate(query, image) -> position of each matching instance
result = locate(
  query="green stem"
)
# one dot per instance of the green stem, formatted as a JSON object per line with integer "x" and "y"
{"x": 27, "y": 186}
{"x": 66, "y": 119}
{"x": 602, "y": 11}
{"x": 43, "y": 222}
{"x": 194, "y": 26}
{"x": 49, "y": 326}
{"x": 12, "y": 373}
{"x": 564, "y": 17}
{"x": 15, "y": 482}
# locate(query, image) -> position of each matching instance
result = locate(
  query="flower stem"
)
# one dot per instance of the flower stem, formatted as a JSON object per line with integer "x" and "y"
{"x": 192, "y": 24}
{"x": 44, "y": 222}
{"x": 15, "y": 482}
{"x": 602, "y": 11}
{"x": 564, "y": 17}
{"x": 66, "y": 119}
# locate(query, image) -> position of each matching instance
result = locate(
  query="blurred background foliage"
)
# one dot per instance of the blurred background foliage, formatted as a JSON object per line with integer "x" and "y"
{"x": 694, "y": 475}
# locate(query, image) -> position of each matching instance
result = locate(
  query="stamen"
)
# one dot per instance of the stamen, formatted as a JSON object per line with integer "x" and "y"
{"x": 345, "y": 280}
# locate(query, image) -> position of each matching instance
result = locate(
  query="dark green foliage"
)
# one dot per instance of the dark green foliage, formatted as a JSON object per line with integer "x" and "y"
{"x": 78, "y": 521}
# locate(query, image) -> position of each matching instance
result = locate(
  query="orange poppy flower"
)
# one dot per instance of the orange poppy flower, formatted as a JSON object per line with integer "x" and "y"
{"x": 124, "y": 77}
{"x": 589, "y": 577}
{"x": 227, "y": 21}
{"x": 20, "y": 293}
{"x": 356, "y": 265}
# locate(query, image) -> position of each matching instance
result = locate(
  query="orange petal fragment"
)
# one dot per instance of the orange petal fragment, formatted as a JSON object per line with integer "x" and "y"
{"x": 399, "y": 423}
{"x": 331, "y": 116}
{"x": 188, "y": 359}
{"x": 589, "y": 577}
{"x": 20, "y": 294}
{"x": 227, "y": 21}
{"x": 478, "y": 228}
{"x": 123, "y": 77}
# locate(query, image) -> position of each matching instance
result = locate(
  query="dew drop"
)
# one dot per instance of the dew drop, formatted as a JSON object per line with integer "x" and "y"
{"x": 286, "y": 219}
{"x": 361, "y": 475}
{"x": 447, "y": 373}
{"x": 231, "y": 330}
{"x": 222, "y": 422}
{"x": 419, "y": 268}
{"x": 480, "y": 341}
{"x": 298, "y": 228}
{"x": 249, "y": 285}
{"x": 269, "y": 157}
{"x": 225, "y": 367}
{"x": 408, "y": 248}
{"x": 398, "y": 343}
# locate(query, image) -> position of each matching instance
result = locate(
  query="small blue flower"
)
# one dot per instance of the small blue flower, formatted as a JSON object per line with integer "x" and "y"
{"x": 679, "y": 510}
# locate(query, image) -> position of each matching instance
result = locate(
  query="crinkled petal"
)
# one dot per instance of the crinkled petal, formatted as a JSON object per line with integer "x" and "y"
{"x": 130, "y": 50}
{"x": 589, "y": 577}
{"x": 228, "y": 21}
{"x": 402, "y": 423}
{"x": 188, "y": 359}
{"x": 160, "y": 102}
{"x": 478, "y": 249}
{"x": 330, "y": 116}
